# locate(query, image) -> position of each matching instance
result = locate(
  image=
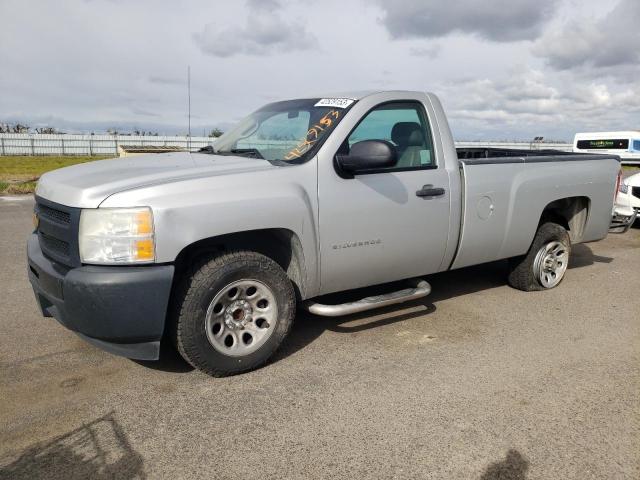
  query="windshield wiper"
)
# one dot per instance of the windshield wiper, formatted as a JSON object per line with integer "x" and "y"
{"x": 251, "y": 152}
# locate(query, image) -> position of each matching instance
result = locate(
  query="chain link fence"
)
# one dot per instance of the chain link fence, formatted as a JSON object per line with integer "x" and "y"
{"x": 89, "y": 145}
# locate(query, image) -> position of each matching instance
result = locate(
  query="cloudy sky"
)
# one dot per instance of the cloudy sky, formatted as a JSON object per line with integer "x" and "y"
{"x": 504, "y": 69}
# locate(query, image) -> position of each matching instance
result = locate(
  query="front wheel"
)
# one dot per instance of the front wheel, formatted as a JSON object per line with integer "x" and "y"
{"x": 234, "y": 311}
{"x": 546, "y": 262}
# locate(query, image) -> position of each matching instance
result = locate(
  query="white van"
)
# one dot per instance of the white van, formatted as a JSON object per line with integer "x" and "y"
{"x": 624, "y": 144}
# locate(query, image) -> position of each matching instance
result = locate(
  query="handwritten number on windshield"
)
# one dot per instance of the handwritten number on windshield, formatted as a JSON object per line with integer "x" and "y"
{"x": 313, "y": 135}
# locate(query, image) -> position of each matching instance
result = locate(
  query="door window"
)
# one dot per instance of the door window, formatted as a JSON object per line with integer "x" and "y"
{"x": 402, "y": 124}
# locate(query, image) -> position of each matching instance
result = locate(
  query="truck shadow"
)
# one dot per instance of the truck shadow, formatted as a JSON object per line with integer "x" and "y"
{"x": 445, "y": 285}
{"x": 513, "y": 467}
{"x": 170, "y": 360}
{"x": 99, "y": 450}
{"x": 583, "y": 256}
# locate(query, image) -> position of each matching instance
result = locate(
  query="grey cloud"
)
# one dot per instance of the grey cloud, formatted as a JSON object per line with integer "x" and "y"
{"x": 611, "y": 41}
{"x": 431, "y": 51}
{"x": 161, "y": 80}
{"x": 497, "y": 20}
{"x": 519, "y": 87}
{"x": 265, "y": 32}
{"x": 143, "y": 112}
{"x": 263, "y": 5}
{"x": 527, "y": 102}
{"x": 529, "y": 86}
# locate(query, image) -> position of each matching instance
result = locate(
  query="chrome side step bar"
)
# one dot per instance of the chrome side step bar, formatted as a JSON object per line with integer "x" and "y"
{"x": 421, "y": 289}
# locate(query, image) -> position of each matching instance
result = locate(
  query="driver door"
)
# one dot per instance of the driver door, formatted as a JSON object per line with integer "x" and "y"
{"x": 375, "y": 227}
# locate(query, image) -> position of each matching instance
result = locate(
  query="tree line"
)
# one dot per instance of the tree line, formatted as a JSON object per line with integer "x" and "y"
{"x": 23, "y": 128}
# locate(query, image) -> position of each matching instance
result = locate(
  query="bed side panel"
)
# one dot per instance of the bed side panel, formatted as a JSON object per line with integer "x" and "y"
{"x": 503, "y": 204}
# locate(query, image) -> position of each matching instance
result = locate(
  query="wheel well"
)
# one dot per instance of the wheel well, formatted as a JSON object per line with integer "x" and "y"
{"x": 280, "y": 244}
{"x": 571, "y": 213}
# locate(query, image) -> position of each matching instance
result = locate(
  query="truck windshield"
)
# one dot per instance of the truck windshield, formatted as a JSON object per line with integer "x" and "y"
{"x": 289, "y": 131}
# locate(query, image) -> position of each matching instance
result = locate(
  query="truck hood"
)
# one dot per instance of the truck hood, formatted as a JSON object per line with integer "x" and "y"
{"x": 87, "y": 185}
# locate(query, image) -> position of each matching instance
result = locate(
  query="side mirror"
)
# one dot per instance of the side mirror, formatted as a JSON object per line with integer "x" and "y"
{"x": 368, "y": 155}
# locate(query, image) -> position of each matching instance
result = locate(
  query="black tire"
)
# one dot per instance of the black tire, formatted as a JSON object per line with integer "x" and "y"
{"x": 522, "y": 270}
{"x": 200, "y": 286}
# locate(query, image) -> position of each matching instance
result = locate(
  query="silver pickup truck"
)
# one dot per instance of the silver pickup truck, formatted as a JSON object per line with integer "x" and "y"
{"x": 215, "y": 250}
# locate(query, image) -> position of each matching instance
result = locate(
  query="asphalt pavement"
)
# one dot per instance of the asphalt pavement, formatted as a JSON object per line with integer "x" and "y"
{"x": 477, "y": 381}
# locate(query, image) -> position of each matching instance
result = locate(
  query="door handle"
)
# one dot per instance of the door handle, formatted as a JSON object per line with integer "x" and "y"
{"x": 430, "y": 191}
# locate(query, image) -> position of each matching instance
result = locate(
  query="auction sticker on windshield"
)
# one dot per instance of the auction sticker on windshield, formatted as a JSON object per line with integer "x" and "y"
{"x": 335, "y": 102}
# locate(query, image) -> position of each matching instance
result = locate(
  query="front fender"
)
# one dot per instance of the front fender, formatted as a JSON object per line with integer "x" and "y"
{"x": 188, "y": 211}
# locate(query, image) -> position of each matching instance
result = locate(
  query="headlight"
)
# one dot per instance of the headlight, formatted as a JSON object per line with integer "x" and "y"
{"x": 117, "y": 235}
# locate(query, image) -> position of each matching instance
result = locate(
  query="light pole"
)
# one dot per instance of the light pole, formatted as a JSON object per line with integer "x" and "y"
{"x": 535, "y": 141}
{"x": 189, "y": 107}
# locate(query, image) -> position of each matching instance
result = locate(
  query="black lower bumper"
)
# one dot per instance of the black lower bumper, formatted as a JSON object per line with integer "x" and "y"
{"x": 119, "y": 309}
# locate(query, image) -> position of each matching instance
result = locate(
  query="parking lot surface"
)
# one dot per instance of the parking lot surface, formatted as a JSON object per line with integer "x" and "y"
{"x": 477, "y": 381}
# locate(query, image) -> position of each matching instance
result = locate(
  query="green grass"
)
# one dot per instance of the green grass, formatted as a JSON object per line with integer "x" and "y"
{"x": 22, "y": 166}
{"x": 19, "y": 174}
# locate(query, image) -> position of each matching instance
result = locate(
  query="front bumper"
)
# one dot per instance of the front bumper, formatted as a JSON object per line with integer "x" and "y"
{"x": 119, "y": 309}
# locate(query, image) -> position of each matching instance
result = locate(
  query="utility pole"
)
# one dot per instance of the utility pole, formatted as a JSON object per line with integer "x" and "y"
{"x": 189, "y": 101}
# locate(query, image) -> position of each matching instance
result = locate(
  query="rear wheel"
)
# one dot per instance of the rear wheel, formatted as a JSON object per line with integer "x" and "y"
{"x": 233, "y": 312}
{"x": 546, "y": 262}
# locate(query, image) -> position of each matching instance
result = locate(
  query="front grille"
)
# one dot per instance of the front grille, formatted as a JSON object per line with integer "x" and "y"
{"x": 635, "y": 191}
{"x": 55, "y": 215}
{"x": 52, "y": 244}
{"x": 57, "y": 230}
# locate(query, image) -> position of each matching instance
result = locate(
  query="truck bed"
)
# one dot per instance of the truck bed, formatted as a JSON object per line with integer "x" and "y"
{"x": 467, "y": 153}
{"x": 486, "y": 155}
{"x": 505, "y": 189}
